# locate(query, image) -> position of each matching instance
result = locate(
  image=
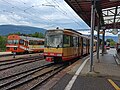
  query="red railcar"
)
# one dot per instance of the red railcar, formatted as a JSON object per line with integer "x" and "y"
{"x": 21, "y": 44}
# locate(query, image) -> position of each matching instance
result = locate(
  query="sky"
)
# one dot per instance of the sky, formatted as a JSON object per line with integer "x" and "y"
{"x": 40, "y": 13}
{"x": 47, "y": 14}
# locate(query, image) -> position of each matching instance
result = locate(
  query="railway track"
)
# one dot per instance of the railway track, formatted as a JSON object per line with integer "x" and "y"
{"x": 30, "y": 79}
{"x": 117, "y": 58}
{"x": 16, "y": 59}
{"x": 12, "y": 63}
{"x": 5, "y": 62}
{"x": 4, "y": 55}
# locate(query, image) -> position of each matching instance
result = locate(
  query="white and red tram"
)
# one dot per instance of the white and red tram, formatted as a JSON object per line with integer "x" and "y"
{"x": 24, "y": 44}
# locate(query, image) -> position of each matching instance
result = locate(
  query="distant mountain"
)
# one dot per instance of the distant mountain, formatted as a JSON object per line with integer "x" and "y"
{"x": 6, "y": 29}
{"x": 87, "y": 32}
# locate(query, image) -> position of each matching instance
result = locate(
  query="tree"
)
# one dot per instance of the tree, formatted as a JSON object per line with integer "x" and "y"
{"x": 111, "y": 41}
{"x": 3, "y": 40}
{"x": 17, "y": 33}
{"x": 38, "y": 35}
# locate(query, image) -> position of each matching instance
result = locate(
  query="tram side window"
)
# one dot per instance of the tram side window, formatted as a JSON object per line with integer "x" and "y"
{"x": 71, "y": 41}
{"x": 15, "y": 41}
{"x": 9, "y": 41}
{"x": 34, "y": 42}
{"x": 26, "y": 43}
{"x": 84, "y": 42}
{"x": 66, "y": 41}
{"x": 75, "y": 41}
{"x": 80, "y": 41}
{"x": 88, "y": 42}
{"x": 41, "y": 43}
{"x": 31, "y": 42}
{"x": 22, "y": 42}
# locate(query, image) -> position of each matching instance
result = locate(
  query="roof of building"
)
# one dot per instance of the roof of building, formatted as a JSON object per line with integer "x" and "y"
{"x": 31, "y": 38}
{"x": 107, "y": 10}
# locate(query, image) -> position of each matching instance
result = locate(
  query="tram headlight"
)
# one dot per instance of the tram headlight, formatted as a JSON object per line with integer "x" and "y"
{"x": 52, "y": 54}
{"x": 59, "y": 54}
{"x": 15, "y": 48}
{"x": 45, "y": 54}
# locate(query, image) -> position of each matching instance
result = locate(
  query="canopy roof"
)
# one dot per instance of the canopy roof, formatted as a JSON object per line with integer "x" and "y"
{"x": 107, "y": 10}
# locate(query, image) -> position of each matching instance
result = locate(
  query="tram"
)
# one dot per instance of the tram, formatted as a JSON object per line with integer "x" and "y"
{"x": 24, "y": 44}
{"x": 65, "y": 45}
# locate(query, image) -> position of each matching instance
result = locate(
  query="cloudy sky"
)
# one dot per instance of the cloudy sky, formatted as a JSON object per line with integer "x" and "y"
{"x": 40, "y": 13}
{"x": 46, "y": 14}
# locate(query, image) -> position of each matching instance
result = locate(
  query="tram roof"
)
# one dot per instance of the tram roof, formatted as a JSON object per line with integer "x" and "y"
{"x": 107, "y": 10}
{"x": 30, "y": 38}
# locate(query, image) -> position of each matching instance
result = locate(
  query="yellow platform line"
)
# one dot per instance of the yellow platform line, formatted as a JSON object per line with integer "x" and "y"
{"x": 113, "y": 84}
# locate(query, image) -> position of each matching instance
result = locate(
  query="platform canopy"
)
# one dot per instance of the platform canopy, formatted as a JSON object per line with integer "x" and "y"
{"x": 107, "y": 12}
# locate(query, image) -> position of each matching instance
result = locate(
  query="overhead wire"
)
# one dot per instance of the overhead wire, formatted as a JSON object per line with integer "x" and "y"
{"x": 22, "y": 1}
{"x": 56, "y": 8}
{"x": 18, "y": 8}
{"x": 55, "y": 2}
{"x": 32, "y": 7}
{"x": 24, "y": 17}
{"x": 73, "y": 15}
{"x": 25, "y": 11}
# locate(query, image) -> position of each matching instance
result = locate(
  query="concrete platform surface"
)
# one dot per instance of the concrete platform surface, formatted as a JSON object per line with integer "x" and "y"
{"x": 106, "y": 75}
{"x": 84, "y": 83}
{"x": 106, "y": 67}
{"x": 5, "y": 53}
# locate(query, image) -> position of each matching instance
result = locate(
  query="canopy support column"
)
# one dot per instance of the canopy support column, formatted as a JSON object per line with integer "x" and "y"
{"x": 103, "y": 42}
{"x": 98, "y": 40}
{"x": 92, "y": 33}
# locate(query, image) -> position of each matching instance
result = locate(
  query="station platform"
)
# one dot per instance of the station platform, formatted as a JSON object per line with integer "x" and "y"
{"x": 5, "y": 53}
{"x": 106, "y": 75}
{"x": 9, "y": 55}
